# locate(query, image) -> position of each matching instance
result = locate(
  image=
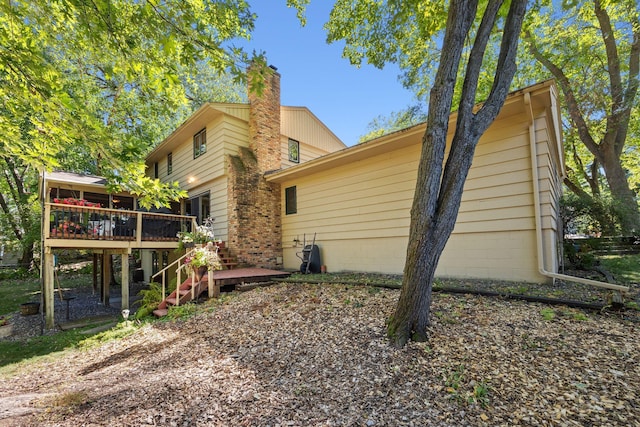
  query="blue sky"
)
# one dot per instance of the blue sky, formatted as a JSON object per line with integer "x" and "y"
{"x": 314, "y": 74}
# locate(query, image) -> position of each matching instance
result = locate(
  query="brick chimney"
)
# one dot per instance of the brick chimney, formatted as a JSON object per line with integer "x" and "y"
{"x": 254, "y": 206}
{"x": 264, "y": 118}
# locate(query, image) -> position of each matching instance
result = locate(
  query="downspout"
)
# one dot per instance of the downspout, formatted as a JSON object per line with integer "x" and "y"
{"x": 538, "y": 214}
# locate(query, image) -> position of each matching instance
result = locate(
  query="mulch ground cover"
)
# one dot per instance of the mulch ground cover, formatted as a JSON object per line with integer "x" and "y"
{"x": 316, "y": 355}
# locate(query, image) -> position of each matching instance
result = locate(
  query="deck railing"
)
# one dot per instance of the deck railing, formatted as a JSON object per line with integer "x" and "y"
{"x": 90, "y": 223}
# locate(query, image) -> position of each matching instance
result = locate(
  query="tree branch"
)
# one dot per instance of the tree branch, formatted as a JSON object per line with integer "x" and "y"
{"x": 631, "y": 90}
{"x": 572, "y": 104}
{"x": 506, "y": 66}
{"x": 576, "y": 189}
{"x": 474, "y": 65}
{"x": 615, "y": 120}
{"x": 591, "y": 180}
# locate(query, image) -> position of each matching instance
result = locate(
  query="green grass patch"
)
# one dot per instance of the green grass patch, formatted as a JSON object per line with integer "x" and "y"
{"x": 548, "y": 314}
{"x": 625, "y": 268}
{"x": 16, "y": 291}
{"x": 47, "y": 345}
{"x": 183, "y": 311}
{"x": 119, "y": 331}
{"x": 17, "y": 351}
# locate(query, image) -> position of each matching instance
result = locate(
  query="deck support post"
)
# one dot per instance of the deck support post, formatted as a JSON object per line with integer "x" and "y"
{"x": 214, "y": 288}
{"x": 124, "y": 261}
{"x": 106, "y": 278}
{"x": 47, "y": 296}
{"x": 95, "y": 272}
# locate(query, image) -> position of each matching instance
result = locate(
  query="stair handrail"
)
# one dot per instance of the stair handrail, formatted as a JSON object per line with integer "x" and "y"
{"x": 181, "y": 265}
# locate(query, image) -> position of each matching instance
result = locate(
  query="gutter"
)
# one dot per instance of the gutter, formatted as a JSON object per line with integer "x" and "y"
{"x": 538, "y": 214}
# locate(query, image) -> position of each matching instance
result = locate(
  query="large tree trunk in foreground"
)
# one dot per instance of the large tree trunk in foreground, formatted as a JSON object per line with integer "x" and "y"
{"x": 437, "y": 196}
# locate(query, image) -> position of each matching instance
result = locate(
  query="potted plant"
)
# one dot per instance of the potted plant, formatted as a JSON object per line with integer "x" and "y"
{"x": 202, "y": 235}
{"x": 202, "y": 259}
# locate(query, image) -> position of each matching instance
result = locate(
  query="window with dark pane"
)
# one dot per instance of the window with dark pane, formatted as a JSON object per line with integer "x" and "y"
{"x": 200, "y": 143}
{"x": 291, "y": 200}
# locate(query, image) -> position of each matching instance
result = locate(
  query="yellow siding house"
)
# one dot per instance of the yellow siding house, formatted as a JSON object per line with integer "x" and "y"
{"x": 273, "y": 176}
{"x": 357, "y": 201}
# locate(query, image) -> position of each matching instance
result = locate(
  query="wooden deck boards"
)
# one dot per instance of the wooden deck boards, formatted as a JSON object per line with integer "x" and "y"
{"x": 239, "y": 275}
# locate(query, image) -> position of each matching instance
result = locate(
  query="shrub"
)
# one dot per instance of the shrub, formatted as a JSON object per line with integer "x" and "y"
{"x": 151, "y": 298}
{"x": 17, "y": 273}
{"x": 600, "y": 215}
{"x": 580, "y": 256}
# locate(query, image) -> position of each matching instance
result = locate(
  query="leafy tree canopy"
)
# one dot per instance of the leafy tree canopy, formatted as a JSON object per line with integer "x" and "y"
{"x": 397, "y": 120}
{"x": 593, "y": 51}
{"x": 410, "y": 34}
{"x": 101, "y": 79}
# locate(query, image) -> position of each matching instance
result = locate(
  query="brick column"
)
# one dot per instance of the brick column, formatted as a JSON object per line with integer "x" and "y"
{"x": 254, "y": 211}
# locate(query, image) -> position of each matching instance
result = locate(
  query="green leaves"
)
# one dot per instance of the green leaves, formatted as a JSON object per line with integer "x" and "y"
{"x": 593, "y": 51}
{"x": 385, "y": 31}
{"x": 91, "y": 86}
{"x": 408, "y": 33}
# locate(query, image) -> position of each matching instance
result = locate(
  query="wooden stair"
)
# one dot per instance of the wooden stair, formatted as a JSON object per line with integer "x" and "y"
{"x": 187, "y": 291}
{"x": 228, "y": 261}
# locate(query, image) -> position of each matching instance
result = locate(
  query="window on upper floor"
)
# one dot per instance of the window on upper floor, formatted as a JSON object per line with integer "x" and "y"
{"x": 200, "y": 143}
{"x": 169, "y": 163}
{"x": 290, "y": 200}
{"x": 155, "y": 170}
{"x": 294, "y": 151}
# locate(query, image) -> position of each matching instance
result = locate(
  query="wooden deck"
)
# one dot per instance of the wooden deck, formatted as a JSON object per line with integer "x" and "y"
{"x": 243, "y": 275}
{"x": 221, "y": 278}
{"x": 89, "y": 227}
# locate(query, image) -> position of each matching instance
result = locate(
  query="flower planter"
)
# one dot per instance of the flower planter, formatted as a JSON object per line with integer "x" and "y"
{"x": 29, "y": 308}
{"x": 200, "y": 273}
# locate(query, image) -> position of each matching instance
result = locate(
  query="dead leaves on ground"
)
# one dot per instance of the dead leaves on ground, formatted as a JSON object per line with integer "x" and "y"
{"x": 317, "y": 355}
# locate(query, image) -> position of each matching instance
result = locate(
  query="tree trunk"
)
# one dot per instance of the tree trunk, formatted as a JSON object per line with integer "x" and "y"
{"x": 27, "y": 256}
{"x": 438, "y": 193}
{"x": 426, "y": 243}
{"x": 625, "y": 198}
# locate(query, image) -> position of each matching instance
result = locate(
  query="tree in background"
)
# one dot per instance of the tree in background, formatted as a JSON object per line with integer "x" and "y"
{"x": 397, "y": 120}
{"x": 84, "y": 74}
{"x": 408, "y": 32}
{"x": 592, "y": 49}
{"x": 19, "y": 208}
